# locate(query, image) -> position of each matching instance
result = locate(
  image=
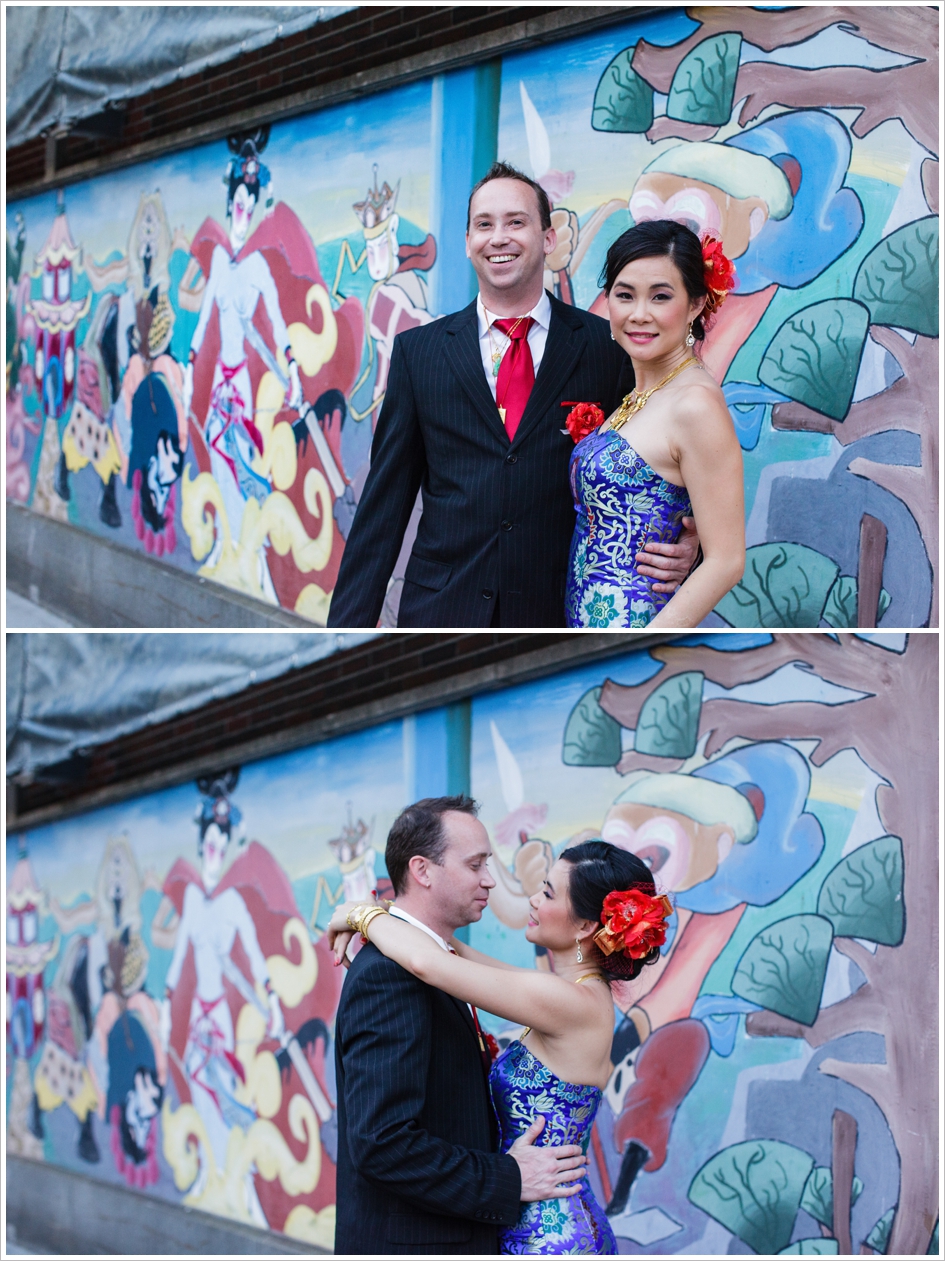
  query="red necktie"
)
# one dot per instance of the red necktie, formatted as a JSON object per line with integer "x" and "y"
{"x": 516, "y": 373}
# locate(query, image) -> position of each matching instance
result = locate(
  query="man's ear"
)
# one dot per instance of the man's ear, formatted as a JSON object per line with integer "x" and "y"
{"x": 418, "y": 867}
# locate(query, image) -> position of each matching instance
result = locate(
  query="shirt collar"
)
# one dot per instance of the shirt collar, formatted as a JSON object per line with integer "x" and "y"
{"x": 540, "y": 313}
{"x": 405, "y": 915}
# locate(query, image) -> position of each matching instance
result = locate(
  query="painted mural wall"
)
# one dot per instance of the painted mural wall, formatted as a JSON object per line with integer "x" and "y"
{"x": 774, "y": 1084}
{"x": 195, "y": 369}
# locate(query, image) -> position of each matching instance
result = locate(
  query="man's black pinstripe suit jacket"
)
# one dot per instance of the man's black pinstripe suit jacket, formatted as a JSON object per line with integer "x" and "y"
{"x": 497, "y": 516}
{"x": 418, "y": 1170}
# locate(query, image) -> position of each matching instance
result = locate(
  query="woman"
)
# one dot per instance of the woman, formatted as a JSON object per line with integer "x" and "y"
{"x": 667, "y": 452}
{"x": 598, "y": 917}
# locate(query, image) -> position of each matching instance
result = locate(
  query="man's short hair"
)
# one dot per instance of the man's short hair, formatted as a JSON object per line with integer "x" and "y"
{"x": 502, "y": 171}
{"x": 418, "y": 830}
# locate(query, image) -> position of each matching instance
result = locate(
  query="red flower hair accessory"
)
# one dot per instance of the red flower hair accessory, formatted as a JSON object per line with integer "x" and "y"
{"x": 634, "y": 922}
{"x": 584, "y": 418}
{"x": 719, "y": 274}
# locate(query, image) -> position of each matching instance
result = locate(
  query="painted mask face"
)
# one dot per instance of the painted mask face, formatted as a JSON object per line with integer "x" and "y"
{"x": 381, "y": 251}
{"x": 701, "y": 207}
{"x": 244, "y": 203}
{"x": 680, "y": 852}
{"x": 215, "y": 842}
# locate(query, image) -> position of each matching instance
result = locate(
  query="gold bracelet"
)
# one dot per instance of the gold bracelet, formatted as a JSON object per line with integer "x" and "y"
{"x": 353, "y": 918}
{"x": 370, "y": 914}
{"x": 359, "y": 917}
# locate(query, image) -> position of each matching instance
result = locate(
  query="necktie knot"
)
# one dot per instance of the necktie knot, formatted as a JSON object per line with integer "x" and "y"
{"x": 515, "y": 327}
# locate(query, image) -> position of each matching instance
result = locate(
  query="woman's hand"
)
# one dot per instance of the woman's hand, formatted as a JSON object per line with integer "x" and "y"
{"x": 339, "y": 931}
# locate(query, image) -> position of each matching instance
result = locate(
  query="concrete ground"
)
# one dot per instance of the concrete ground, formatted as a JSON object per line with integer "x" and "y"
{"x": 25, "y": 615}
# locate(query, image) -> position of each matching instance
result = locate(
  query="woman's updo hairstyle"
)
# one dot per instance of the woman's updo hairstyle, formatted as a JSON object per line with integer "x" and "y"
{"x": 598, "y": 868}
{"x": 661, "y": 238}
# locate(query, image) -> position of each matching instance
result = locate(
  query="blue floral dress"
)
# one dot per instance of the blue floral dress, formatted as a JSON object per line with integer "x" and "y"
{"x": 522, "y": 1090}
{"x": 621, "y": 503}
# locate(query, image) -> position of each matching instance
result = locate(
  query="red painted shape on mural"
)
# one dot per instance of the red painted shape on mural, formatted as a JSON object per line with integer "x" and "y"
{"x": 666, "y": 1069}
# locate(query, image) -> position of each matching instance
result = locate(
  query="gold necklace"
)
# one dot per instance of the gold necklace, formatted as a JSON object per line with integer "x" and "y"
{"x": 495, "y": 353}
{"x": 634, "y": 402}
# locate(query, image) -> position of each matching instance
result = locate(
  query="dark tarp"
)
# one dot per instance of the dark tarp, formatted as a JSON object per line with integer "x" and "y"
{"x": 69, "y": 692}
{"x": 67, "y": 62}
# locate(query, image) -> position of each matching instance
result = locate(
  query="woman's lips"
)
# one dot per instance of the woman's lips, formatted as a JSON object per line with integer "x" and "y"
{"x": 642, "y": 337}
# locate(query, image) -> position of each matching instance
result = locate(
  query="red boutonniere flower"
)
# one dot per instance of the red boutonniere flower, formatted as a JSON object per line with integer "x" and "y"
{"x": 491, "y": 1046}
{"x": 584, "y": 418}
{"x": 719, "y": 273}
{"x": 633, "y": 922}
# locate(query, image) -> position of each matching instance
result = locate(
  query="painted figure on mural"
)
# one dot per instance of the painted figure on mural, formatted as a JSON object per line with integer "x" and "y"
{"x": 126, "y": 436}
{"x": 398, "y": 299}
{"x": 732, "y": 834}
{"x": 72, "y": 1068}
{"x": 236, "y": 1068}
{"x": 56, "y": 315}
{"x": 22, "y": 402}
{"x": 26, "y": 960}
{"x": 208, "y": 921}
{"x": 236, "y": 280}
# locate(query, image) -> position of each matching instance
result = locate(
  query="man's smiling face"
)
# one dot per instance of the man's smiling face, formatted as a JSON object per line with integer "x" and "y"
{"x": 505, "y": 240}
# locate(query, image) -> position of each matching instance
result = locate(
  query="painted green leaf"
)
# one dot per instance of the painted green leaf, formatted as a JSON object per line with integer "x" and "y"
{"x": 811, "y": 1248}
{"x": 840, "y": 609}
{"x": 784, "y": 584}
{"x": 862, "y": 896}
{"x": 591, "y": 737}
{"x": 814, "y": 357}
{"x": 898, "y": 279}
{"x": 878, "y": 1238}
{"x": 669, "y": 720}
{"x": 623, "y": 101}
{"x": 784, "y": 966}
{"x": 704, "y": 83}
{"x": 754, "y": 1189}
{"x": 818, "y": 1195}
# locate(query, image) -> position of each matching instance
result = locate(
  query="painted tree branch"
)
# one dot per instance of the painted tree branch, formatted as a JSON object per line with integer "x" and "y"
{"x": 908, "y": 93}
{"x": 856, "y": 953}
{"x": 863, "y": 1010}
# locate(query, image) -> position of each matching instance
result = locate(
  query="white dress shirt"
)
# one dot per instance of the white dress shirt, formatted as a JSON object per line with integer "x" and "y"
{"x": 410, "y": 919}
{"x": 537, "y": 335}
{"x": 405, "y": 915}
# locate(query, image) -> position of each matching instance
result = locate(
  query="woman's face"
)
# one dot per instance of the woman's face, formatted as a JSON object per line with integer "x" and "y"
{"x": 650, "y": 310}
{"x": 551, "y": 921}
{"x": 678, "y": 851}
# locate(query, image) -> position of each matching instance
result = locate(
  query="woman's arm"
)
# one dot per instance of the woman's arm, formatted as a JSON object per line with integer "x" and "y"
{"x": 710, "y": 461}
{"x": 526, "y": 997}
{"x": 476, "y": 956}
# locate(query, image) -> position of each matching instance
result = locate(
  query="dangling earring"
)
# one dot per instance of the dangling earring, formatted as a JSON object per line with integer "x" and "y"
{"x": 580, "y": 952}
{"x": 690, "y": 340}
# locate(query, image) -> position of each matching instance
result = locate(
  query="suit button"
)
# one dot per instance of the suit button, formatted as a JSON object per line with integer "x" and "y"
{"x": 487, "y": 593}
{"x": 511, "y": 459}
{"x": 506, "y": 525}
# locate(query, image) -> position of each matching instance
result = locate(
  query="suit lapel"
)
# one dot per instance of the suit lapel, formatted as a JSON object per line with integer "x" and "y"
{"x": 564, "y": 347}
{"x": 462, "y": 352}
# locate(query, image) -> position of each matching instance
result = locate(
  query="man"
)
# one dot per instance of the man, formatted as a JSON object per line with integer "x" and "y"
{"x": 418, "y": 1170}
{"x": 474, "y": 414}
